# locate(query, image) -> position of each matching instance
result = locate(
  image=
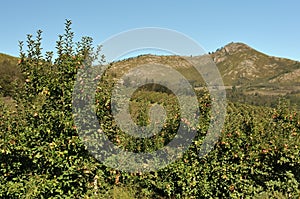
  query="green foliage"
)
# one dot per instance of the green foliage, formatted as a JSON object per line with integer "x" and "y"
{"x": 42, "y": 156}
{"x": 254, "y": 97}
{"x": 257, "y": 154}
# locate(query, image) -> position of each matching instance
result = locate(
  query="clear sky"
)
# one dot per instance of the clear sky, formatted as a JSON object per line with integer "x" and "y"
{"x": 270, "y": 26}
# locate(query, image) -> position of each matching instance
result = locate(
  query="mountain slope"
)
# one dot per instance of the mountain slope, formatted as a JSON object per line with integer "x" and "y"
{"x": 240, "y": 64}
{"x": 256, "y": 77}
{"x": 9, "y": 74}
{"x": 250, "y": 72}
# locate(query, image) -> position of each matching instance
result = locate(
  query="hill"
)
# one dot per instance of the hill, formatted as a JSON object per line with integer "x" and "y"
{"x": 241, "y": 65}
{"x": 9, "y": 74}
{"x": 249, "y": 75}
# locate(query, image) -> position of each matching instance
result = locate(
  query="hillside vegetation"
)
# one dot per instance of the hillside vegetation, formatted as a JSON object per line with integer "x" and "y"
{"x": 43, "y": 156}
{"x": 10, "y": 75}
{"x": 249, "y": 76}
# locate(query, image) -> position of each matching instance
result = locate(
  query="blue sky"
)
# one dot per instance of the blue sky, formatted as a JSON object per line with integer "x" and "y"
{"x": 270, "y": 26}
